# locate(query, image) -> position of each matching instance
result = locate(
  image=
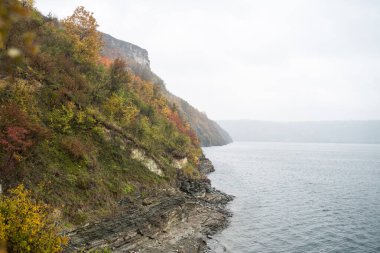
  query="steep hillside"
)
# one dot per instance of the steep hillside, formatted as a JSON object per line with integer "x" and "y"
{"x": 208, "y": 131}
{"x": 81, "y": 134}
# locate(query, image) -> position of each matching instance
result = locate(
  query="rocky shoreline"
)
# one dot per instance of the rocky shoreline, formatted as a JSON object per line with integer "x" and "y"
{"x": 178, "y": 219}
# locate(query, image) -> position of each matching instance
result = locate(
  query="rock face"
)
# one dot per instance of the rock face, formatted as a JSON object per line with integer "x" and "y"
{"x": 205, "y": 166}
{"x": 114, "y": 48}
{"x": 149, "y": 163}
{"x": 180, "y": 163}
{"x": 174, "y": 220}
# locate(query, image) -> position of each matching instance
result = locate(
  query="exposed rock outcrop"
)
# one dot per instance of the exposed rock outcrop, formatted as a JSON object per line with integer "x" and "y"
{"x": 173, "y": 220}
{"x": 115, "y": 48}
{"x": 180, "y": 163}
{"x": 148, "y": 162}
{"x": 205, "y": 165}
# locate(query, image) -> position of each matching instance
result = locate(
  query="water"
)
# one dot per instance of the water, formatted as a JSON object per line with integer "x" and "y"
{"x": 293, "y": 197}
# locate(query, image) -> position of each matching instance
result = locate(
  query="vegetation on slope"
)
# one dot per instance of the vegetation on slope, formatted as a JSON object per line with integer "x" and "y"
{"x": 71, "y": 126}
{"x": 26, "y": 226}
{"x": 208, "y": 132}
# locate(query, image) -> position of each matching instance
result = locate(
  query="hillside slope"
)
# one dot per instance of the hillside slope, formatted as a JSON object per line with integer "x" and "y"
{"x": 83, "y": 135}
{"x": 208, "y": 131}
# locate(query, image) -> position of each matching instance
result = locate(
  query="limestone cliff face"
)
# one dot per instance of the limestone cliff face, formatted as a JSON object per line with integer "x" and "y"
{"x": 208, "y": 131}
{"x": 114, "y": 48}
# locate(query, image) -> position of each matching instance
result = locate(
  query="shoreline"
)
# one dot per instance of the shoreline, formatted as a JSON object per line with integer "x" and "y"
{"x": 178, "y": 219}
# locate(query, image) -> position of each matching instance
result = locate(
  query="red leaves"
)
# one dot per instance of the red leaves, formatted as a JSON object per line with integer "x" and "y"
{"x": 15, "y": 139}
{"x": 182, "y": 127}
{"x": 18, "y": 133}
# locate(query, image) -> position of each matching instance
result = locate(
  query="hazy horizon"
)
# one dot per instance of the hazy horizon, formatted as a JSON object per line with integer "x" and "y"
{"x": 270, "y": 61}
{"x": 360, "y": 131}
{"x": 300, "y": 121}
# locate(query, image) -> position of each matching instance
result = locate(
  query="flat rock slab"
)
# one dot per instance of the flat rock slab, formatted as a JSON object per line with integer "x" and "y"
{"x": 176, "y": 223}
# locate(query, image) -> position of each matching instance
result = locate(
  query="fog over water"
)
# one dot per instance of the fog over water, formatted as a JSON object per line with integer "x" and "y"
{"x": 263, "y": 60}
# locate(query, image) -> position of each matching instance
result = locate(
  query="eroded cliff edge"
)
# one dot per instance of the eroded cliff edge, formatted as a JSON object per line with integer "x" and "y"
{"x": 176, "y": 219}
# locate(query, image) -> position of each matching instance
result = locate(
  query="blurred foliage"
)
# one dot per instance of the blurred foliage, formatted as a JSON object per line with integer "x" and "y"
{"x": 14, "y": 45}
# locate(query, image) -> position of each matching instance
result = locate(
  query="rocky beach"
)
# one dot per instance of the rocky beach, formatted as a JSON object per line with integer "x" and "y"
{"x": 179, "y": 219}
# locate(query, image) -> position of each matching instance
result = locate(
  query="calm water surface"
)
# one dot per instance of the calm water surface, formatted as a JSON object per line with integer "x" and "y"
{"x": 293, "y": 197}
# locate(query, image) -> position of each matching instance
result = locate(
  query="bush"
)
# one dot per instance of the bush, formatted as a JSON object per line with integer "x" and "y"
{"x": 61, "y": 118}
{"x": 25, "y": 225}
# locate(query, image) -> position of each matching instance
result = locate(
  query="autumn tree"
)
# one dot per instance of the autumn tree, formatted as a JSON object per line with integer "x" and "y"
{"x": 118, "y": 74}
{"x": 17, "y": 134}
{"x": 81, "y": 28}
{"x": 118, "y": 109}
{"x": 25, "y": 226}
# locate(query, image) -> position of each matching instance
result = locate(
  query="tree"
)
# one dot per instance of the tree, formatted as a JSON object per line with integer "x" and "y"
{"x": 14, "y": 141}
{"x": 25, "y": 226}
{"x": 81, "y": 28}
{"x": 17, "y": 134}
{"x": 119, "y": 74}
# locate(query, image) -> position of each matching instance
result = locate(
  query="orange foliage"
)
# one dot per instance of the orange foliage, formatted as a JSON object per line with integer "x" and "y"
{"x": 182, "y": 127}
{"x": 106, "y": 61}
{"x": 144, "y": 89}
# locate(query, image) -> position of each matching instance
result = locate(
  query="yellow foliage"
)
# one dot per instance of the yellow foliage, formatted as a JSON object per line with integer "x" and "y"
{"x": 81, "y": 27}
{"x": 166, "y": 111}
{"x": 25, "y": 225}
{"x": 3, "y": 228}
{"x": 144, "y": 89}
{"x": 61, "y": 118}
{"x": 23, "y": 93}
{"x": 116, "y": 108}
{"x": 112, "y": 105}
{"x": 130, "y": 112}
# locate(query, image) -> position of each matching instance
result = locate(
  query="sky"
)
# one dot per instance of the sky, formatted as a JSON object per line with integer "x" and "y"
{"x": 273, "y": 60}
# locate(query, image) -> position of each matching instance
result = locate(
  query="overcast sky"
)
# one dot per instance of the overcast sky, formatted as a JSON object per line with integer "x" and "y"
{"x": 245, "y": 59}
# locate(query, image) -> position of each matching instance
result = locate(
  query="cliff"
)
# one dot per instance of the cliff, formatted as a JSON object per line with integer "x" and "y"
{"x": 114, "y": 48}
{"x": 208, "y": 131}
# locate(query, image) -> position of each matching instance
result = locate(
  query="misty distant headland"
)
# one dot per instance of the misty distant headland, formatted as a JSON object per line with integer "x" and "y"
{"x": 307, "y": 131}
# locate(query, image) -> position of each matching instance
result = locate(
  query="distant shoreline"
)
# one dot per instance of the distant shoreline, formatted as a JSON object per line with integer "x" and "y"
{"x": 354, "y": 132}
